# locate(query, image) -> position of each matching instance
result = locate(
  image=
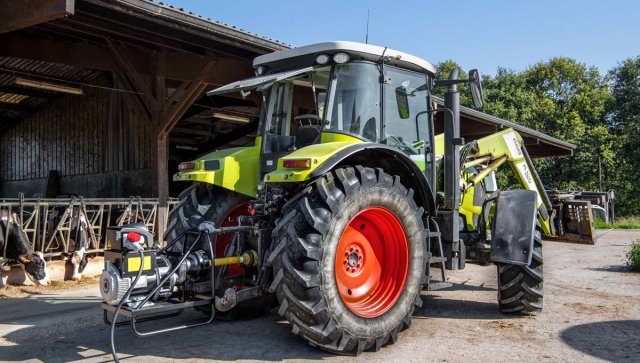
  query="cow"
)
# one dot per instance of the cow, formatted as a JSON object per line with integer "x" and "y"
{"x": 19, "y": 249}
{"x": 78, "y": 238}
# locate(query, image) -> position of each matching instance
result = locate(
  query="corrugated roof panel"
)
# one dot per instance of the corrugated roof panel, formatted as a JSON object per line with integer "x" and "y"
{"x": 12, "y": 98}
{"x": 46, "y": 69}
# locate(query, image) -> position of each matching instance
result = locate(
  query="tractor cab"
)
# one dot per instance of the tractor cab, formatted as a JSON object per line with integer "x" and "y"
{"x": 340, "y": 92}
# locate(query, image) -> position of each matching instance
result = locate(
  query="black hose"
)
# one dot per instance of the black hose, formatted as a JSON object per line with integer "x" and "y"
{"x": 122, "y": 301}
{"x": 160, "y": 283}
{"x": 168, "y": 275}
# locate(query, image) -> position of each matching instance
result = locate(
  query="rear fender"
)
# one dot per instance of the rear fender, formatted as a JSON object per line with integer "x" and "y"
{"x": 328, "y": 156}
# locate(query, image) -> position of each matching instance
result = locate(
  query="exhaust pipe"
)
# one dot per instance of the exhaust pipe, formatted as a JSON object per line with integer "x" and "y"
{"x": 452, "y": 141}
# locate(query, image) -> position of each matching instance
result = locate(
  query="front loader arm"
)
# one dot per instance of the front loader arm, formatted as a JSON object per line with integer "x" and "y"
{"x": 507, "y": 146}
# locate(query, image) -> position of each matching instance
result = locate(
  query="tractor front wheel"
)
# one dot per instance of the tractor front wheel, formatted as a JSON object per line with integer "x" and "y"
{"x": 520, "y": 288}
{"x": 349, "y": 259}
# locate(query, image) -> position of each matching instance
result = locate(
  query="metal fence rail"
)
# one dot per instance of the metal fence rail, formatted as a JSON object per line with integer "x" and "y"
{"x": 53, "y": 236}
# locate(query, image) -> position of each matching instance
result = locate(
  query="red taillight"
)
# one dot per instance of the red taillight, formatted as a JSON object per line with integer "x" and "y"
{"x": 185, "y": 166}
{"x": 297, "y": 164}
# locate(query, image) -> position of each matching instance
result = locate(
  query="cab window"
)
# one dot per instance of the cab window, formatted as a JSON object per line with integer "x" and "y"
{"x": 405, "y": 97}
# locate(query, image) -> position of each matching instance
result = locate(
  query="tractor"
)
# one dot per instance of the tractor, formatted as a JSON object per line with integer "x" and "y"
{"x": 343, "y": 210}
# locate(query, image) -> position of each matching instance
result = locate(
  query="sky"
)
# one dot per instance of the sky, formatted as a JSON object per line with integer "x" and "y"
{"x": 479, "y": 34}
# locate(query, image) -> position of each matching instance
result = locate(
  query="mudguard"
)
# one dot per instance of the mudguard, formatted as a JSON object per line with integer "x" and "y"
{"x": 513, "y": 227}
{"x": 326, "y": 156}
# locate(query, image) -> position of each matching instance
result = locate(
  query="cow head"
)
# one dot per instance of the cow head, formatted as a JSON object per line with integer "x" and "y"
{"x": 36, "y": 268}
{"x": 79, "y": 260}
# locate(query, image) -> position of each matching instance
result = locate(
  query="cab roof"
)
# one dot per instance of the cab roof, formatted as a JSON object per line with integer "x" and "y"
{"x": 355, "y": 50}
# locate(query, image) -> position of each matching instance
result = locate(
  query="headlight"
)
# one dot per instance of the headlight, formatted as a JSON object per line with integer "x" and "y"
{"x": 341, "y": 58}
{"x": 322, "y": 59}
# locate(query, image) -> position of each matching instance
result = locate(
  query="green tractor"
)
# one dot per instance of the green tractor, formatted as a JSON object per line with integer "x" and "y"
{"x": 349, "y": 200}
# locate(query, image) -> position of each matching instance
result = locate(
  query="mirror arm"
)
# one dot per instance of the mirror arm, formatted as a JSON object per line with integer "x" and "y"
{"x": 449, "y": 82}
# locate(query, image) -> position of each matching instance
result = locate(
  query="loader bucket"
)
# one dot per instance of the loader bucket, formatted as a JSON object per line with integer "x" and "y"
{"x": 574, "y": 221}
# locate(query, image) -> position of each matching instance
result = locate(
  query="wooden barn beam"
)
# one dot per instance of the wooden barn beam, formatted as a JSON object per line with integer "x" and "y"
{"x": 169, "y": 64}
{"x": 132, "y": 79}
{"x": 163, "y": 112}
{"x": 76, "y": 54}
{"x": 25, "y": 13}
{"x": 168, "y": 116}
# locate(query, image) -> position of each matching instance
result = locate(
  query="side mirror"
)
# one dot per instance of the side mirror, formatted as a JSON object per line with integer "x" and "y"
{"x": 403, "y": 102}
{"x": 475, "y": 83}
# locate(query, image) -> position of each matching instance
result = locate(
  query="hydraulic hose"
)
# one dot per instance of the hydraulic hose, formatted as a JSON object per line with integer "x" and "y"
{"x": 162, "y": 281}
{"x": 122, "y": 301}
{"x": 133, "y": 285}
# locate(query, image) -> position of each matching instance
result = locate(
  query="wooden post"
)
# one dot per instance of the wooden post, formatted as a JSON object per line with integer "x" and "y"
{"x": 163, "y": 111}
{"x": 171, "y": 111}
{"x": 162, "y": 177}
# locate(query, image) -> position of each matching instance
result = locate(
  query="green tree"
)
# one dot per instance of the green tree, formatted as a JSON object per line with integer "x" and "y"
{"x": 442, "y": 72}
{"x": 624, "y": 124}
{"x": 562, "y": 98}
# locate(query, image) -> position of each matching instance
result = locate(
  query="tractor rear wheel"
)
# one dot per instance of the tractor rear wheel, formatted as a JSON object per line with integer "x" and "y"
{"x": 348, "y": 260}
{"x": 520, "y": 288}
{"x": 206, "y": 202}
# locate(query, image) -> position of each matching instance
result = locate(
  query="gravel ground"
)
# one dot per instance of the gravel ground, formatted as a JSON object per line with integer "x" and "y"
{"x": 591, "y": 313}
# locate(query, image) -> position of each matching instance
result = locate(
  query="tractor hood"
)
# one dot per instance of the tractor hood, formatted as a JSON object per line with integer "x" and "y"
{"x": 234, "y": 169}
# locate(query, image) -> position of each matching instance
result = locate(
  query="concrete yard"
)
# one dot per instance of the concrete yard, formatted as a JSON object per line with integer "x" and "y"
{"x": 591, "y": 313}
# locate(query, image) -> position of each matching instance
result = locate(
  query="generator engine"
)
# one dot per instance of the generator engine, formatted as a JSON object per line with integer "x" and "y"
{"x": 122, "y": 264}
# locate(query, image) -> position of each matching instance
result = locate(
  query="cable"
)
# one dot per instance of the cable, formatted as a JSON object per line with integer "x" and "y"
{"x": 122, "y": 301}
{"x": 185, "y": 254}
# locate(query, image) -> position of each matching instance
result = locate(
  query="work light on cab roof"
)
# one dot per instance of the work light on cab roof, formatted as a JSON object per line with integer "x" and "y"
{"x": 339, "y": 52}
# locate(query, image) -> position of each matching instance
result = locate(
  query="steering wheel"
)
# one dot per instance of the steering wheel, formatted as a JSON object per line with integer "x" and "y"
{"x": 400, "y": 144}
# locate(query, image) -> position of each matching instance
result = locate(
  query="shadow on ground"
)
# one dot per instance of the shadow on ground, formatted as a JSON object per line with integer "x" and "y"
{"x": 614, "y": 341}
{"x": 611, "y": 268}
{"x": 74, "y": 330}
{"x": 435, "y": 306}
{"x": 464, "y": 286}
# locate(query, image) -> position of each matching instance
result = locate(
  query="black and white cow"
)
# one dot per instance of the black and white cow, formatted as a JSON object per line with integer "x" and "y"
{"x": 78, "y": 238}
{"x": 19, "y": 249}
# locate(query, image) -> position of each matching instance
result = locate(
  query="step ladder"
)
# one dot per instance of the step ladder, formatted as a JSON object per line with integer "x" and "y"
{"x": 437, "y": 258}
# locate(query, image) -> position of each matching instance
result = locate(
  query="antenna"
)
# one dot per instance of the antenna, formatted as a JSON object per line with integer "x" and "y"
{"x": 366, "y": 39}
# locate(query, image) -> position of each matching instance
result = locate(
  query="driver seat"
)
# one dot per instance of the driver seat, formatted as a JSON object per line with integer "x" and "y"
{"x": 309, "y": 130}
{"x": 370, "y": 131}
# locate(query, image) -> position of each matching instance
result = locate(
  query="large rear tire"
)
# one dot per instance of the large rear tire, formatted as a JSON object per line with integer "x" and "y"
{"x": 520, "y": 288}
{"x": 349, "y": 259}
{"x": 206, "y": 202}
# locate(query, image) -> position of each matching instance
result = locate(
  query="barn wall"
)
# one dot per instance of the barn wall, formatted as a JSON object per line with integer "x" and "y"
{"x": 98, "y": 145}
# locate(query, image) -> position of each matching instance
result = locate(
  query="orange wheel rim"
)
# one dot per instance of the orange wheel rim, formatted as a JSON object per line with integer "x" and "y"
{"x": 372, "y": 262}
